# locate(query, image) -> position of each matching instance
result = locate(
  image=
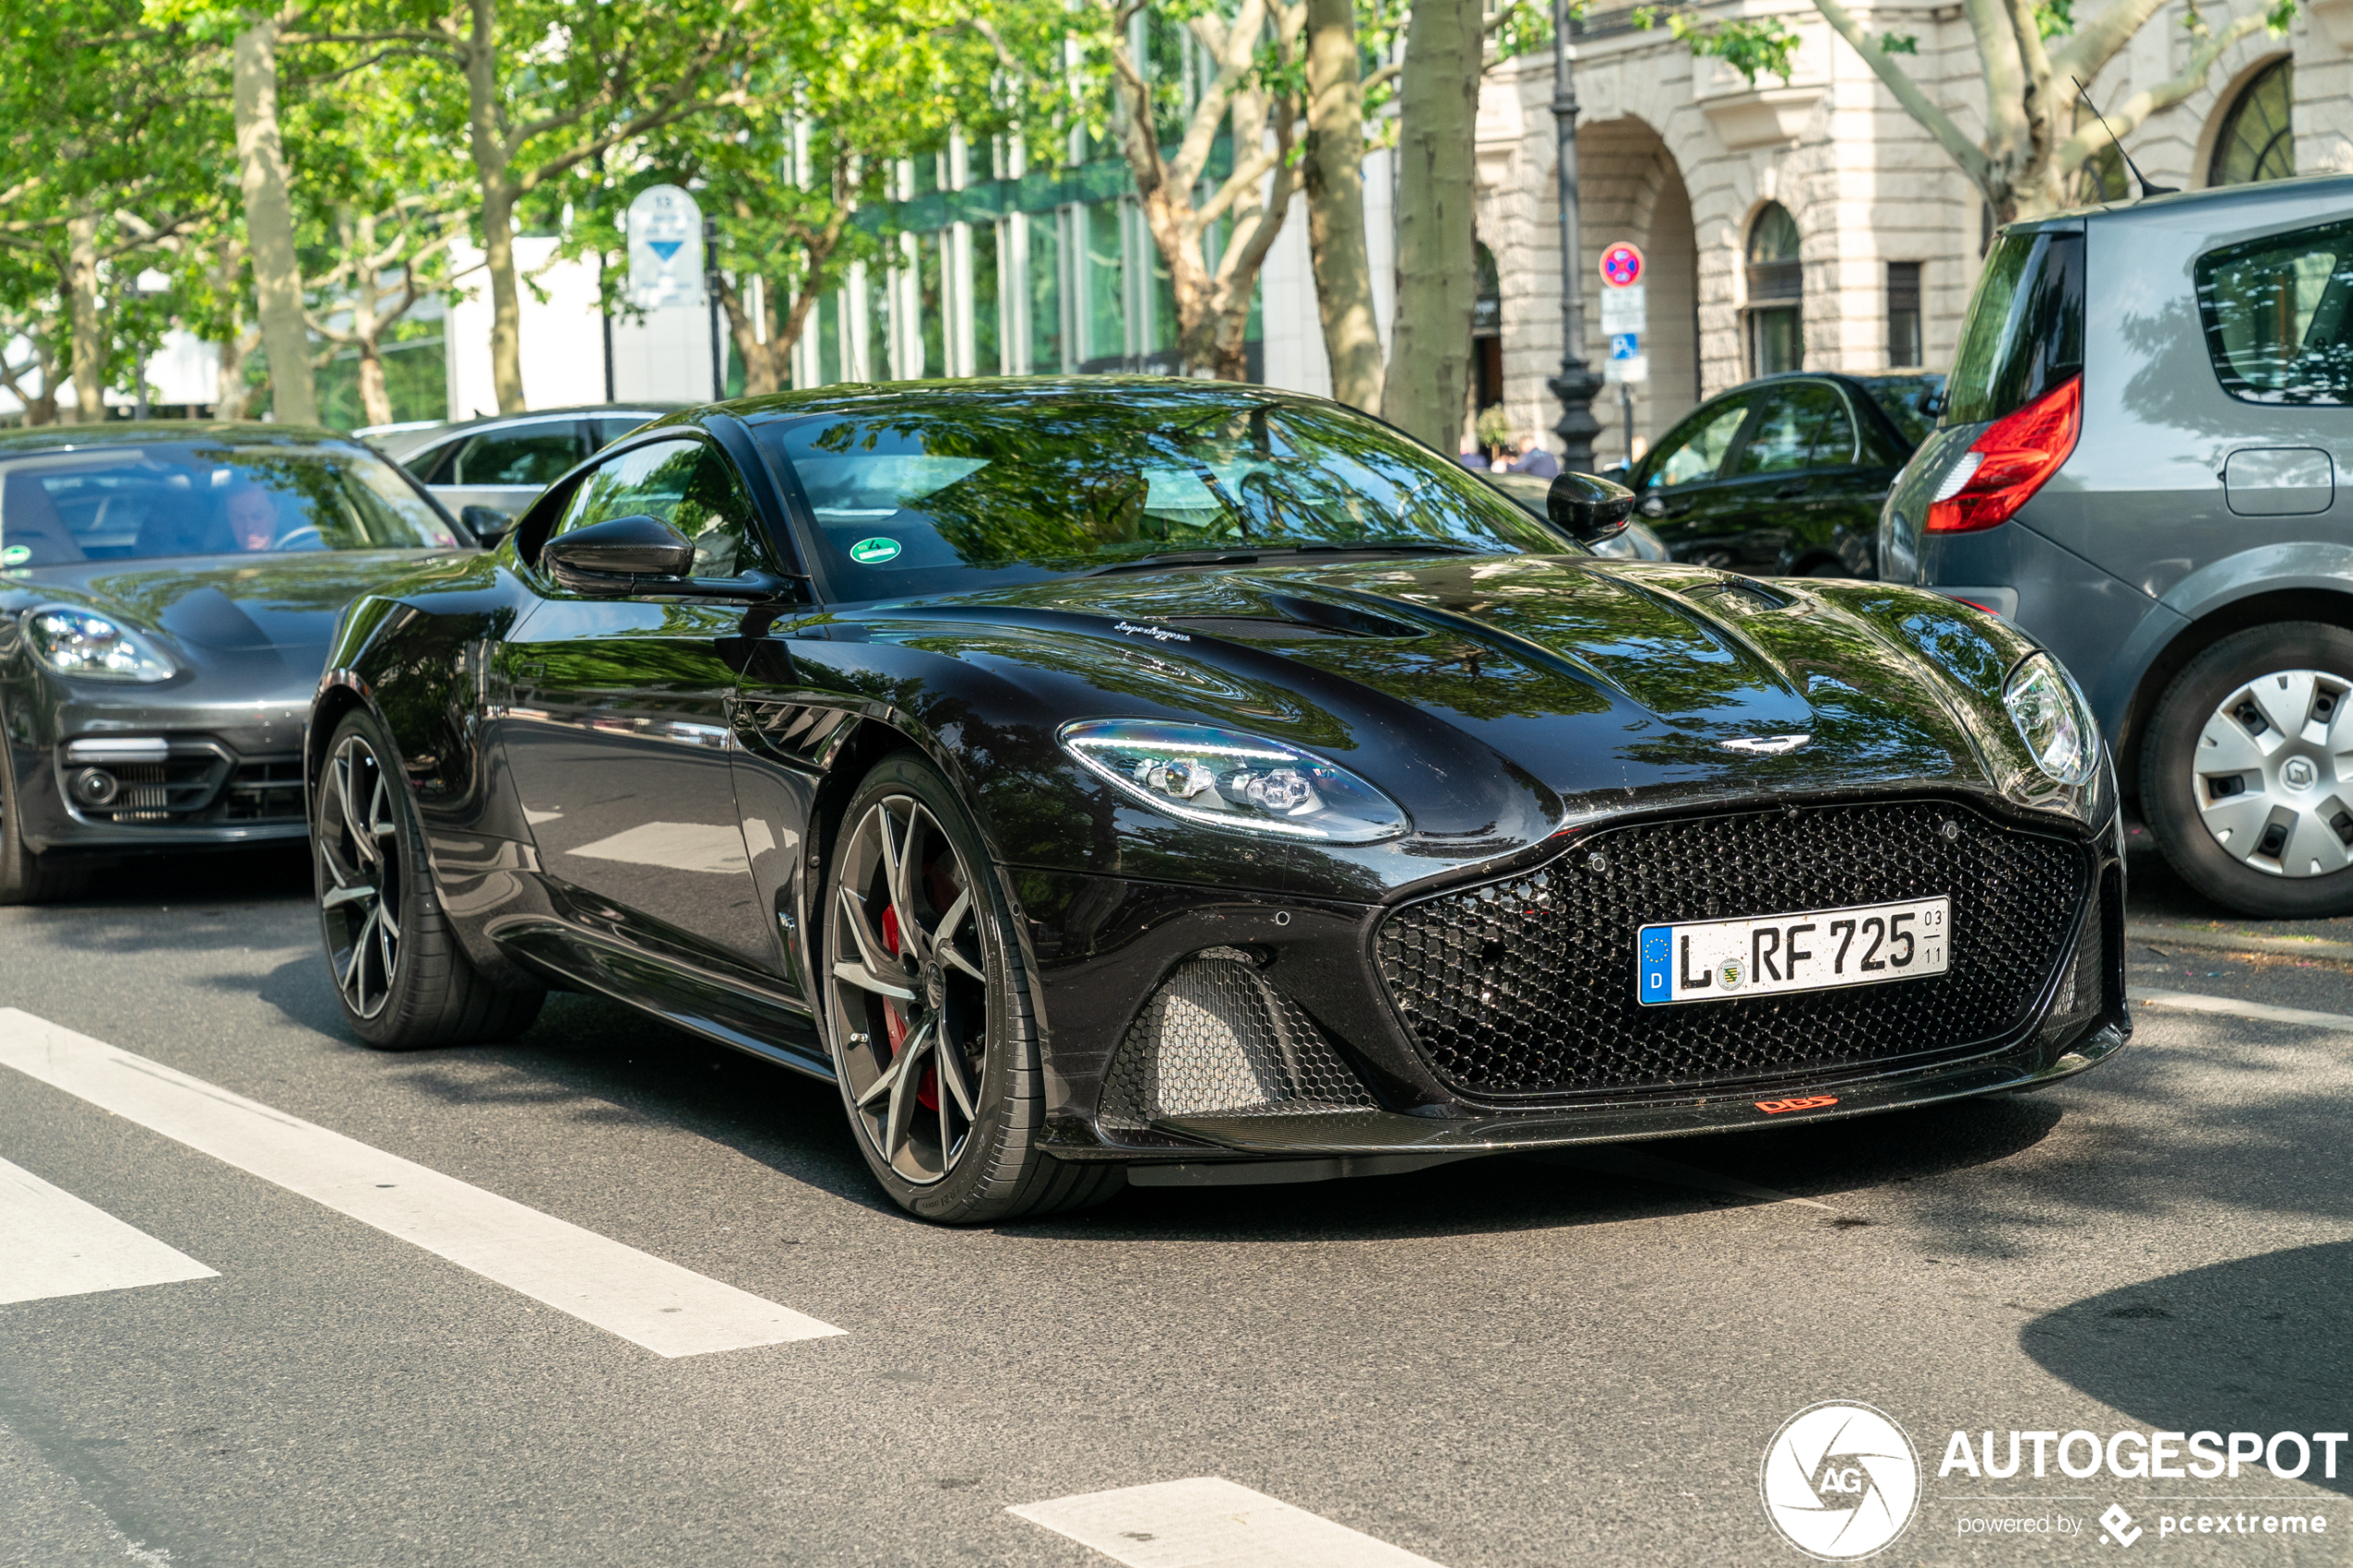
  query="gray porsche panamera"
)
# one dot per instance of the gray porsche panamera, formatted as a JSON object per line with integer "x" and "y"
{"x": 167, "y": 594}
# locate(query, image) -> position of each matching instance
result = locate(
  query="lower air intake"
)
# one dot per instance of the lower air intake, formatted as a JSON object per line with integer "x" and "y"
{"x": 1217, "y": 1040}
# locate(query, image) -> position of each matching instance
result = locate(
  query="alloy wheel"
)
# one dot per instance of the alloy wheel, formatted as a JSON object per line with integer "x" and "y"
{"x": 909, "y": 990}
{"x": 360, "y": 896}
{"x": 2272, "y": 773}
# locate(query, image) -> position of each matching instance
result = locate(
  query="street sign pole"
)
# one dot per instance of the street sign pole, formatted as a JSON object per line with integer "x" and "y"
{"x": 1625, "y": 309}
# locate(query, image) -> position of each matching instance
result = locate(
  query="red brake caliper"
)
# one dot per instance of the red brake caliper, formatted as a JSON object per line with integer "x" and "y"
{"x": 895, "y": 1020}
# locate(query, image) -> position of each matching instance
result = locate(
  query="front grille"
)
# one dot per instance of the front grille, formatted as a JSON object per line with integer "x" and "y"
{"x": 1525, "y": 989}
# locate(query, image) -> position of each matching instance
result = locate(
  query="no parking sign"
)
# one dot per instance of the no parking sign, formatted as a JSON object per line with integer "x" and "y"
{"x": 1621, "y": 265}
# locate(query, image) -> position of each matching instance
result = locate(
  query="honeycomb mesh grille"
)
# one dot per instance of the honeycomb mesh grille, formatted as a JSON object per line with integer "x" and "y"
{"x": 1525, "y": 989}
{"x": 1216, "y": 1039}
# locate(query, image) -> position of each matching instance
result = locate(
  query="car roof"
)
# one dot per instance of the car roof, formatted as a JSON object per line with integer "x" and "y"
{"x": 649, "y": 410}
{"x": 145, "y": 432}
{"x": 2296, "y": 191}
{"x": 966, "y": 391}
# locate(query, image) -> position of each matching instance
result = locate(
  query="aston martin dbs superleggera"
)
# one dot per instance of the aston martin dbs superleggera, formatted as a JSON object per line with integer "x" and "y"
{"x": 1183, "y": 781}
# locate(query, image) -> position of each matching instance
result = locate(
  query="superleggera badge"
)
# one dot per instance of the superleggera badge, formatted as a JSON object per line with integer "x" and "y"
{"x": 1157, "y": 634}
{"x": 1767, "y": 746}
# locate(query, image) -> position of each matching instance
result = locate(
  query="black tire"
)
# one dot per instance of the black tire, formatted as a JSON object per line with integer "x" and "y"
{"x": 413, "y": 987}
{"x": 27, "y": 877}
{"x": 2171, "y": 783}
{"x": 996, "y": 1169}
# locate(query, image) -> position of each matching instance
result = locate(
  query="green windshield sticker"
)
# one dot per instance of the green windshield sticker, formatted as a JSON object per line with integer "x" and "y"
{"x": 873, "y": 552}
{"x": 16, "y": 555}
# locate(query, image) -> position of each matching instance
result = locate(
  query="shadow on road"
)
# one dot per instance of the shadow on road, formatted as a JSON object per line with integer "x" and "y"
{"x": 2262, "y": 1344}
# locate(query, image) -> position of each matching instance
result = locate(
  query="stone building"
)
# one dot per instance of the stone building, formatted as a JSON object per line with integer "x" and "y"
{"x": 1813, "y": 222}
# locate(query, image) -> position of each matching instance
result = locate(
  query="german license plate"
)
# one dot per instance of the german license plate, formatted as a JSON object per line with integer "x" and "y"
{"x": 1715, "y": 960}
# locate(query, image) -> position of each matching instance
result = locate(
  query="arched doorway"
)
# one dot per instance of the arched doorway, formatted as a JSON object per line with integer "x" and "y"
{"x": 2257, "y": 137}
{"x": 1631, "y": 190}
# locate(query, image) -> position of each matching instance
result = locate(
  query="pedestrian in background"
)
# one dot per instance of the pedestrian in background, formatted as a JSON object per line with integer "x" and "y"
{"x": 1534, "y": 459}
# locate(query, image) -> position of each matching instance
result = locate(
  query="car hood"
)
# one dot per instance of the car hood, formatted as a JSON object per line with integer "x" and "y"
{"x": 211, "y": 607}
{"x": 1607, "y": 682}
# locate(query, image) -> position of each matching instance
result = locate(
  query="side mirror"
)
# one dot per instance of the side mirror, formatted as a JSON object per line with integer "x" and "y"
{"x": 617, "y": 555}
{"x": 1588, "y": 508}
{"x": 487, "y": 524}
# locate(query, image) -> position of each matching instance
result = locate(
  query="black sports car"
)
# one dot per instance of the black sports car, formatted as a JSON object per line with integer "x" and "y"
{"x": 1188, "y": 781}
{"x": 167, "y": 592}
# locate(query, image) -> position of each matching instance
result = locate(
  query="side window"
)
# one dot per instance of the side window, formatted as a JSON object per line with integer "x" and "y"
{"x": 1695, "y": 452}
{"x": 611, "y": 430}
{"x": 2279, "y": 315}
{"x": 540, "y": 454}
{"x": 437, "y": 465}
{"x": 687, "y": 484}
{"x": 1803, "y": 426}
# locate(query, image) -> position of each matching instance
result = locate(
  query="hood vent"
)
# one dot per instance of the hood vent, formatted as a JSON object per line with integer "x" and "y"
{"x": 1303, "y": 618}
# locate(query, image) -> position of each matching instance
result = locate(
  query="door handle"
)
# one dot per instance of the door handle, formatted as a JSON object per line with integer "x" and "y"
{"x": 1790, "y": 491}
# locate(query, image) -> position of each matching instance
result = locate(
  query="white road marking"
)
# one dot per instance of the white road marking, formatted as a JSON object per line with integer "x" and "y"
{"x": 668, "y": 1310}
{"x": 54, "y": 1244}
{"x": 1207, "y": 1522}
{"x": 2231, "y": 1006}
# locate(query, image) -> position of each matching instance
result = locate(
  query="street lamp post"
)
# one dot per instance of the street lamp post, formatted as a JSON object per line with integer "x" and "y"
{"x": 1575, "y": 384}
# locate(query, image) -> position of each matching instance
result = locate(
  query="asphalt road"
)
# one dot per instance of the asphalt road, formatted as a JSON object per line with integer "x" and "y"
{"x": 1504, "y": 1362}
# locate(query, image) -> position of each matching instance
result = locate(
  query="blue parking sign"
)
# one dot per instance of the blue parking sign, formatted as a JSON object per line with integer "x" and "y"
{"x": 1625, "y": 345}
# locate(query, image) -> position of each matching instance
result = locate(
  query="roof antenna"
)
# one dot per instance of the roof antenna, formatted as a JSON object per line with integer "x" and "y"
{"x": 2147, "y": 190}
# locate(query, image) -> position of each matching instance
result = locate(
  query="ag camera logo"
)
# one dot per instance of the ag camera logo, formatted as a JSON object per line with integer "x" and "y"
{"x": 1839, "y": 1481}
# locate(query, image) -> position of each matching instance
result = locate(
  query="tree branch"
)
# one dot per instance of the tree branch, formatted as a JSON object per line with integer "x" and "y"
{"x": 2133, "y": 110}
{"x": 2098, "y": 41}
{"x": 1950, "y": 137}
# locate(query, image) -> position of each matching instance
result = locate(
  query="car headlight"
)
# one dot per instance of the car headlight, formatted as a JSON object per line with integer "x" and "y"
{"x": 78, "y": 643}
{"x": 2053, "y": 721}
{"x": 1231, "y": 779}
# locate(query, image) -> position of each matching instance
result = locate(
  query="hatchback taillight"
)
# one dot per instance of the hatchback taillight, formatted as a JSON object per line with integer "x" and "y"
{"x": 2004, "y": 468}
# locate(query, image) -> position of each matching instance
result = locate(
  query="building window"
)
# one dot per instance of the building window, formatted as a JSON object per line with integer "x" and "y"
{"x": 1903, "y": 313}
{"x": 2257, "y": 140}
{"x": 1776, "y": 293}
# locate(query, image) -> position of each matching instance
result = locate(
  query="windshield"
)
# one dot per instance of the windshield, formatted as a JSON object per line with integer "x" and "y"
{"x": 2024, "y": 332}
{"x": 922, "y": 496}
{"x": 206, "y": 498}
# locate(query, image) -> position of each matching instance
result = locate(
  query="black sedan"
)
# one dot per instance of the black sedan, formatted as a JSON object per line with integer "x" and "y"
{"x": 1178, "y": 781}
{"x": 1784, "y": 476}
{"x": 167, "y": 592}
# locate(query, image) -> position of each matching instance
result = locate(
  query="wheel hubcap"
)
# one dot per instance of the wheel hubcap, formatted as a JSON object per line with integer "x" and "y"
{"x": 359, "y": 881}
{"x": 908, "y": 991}
{"x": 2273, "y": 773}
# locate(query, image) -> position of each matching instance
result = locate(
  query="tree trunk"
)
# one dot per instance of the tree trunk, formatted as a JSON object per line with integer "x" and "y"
{"x": 88, "y": 320}
{"x": 765, "y": 364}
{"x": 497, "y": 207}
{"x": 1428, "y": 376}
{"x": 262, "y": 175}
{"x": 1334, "y": 169}
{"x": 359, "y": 241}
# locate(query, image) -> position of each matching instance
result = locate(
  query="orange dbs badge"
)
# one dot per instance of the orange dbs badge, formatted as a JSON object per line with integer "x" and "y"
{"x": 1804, "y": 1102}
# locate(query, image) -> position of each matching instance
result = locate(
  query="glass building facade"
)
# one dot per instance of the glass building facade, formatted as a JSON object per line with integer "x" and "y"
{"x": 1001, "y": 271}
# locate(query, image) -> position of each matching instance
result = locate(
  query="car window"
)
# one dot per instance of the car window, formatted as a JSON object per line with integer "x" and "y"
{"x": 2279, "y": 315}
{"x": 943, "y": 490}
{"x": 537, "y": 455}
{"x": 687, "y": 484}
{"x": 1800, "y": 426}
{"x": 1695, "y": 452}
{"x": 610, "y": 428}
{"x": 1906, "y": 400}
{"x": 2023, "y": 335}
{"x": 208, "y": 497}
{"x": 435, "y": 465}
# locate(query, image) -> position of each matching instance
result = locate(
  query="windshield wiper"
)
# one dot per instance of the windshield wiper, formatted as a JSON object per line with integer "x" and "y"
{"x": 1260, "y": 552}
{"x": 1158, "y": 563}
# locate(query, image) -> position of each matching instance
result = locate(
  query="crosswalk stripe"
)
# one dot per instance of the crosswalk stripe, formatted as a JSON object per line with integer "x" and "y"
{"x": 1211, "y": 1521}
{"x": 54, "y": 1244}
{"x": 668, "y": 1310}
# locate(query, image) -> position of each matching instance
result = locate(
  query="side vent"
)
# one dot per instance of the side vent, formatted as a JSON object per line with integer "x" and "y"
{"x": 1216, "y": 1039}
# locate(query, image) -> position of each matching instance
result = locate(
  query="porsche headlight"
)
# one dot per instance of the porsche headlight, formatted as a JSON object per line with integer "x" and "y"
{"x": 1230, "y": 779}
{"x": 78, "y": 643}
{"x": 2053, "y": 721}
